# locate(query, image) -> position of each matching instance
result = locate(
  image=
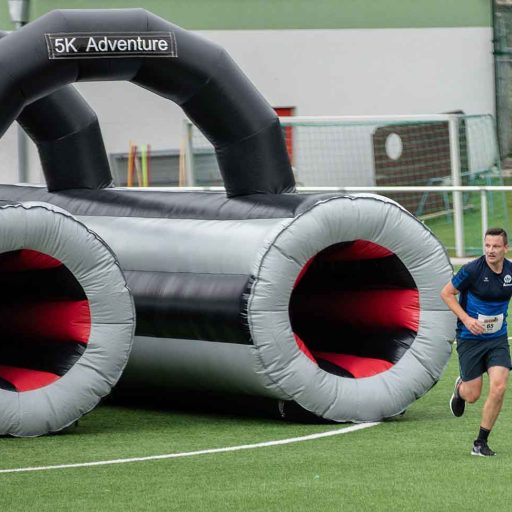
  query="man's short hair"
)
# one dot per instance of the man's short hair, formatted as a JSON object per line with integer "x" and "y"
{"x": 498, "y": 232}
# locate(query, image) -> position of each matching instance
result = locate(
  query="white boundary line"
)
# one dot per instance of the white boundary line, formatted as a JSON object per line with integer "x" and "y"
{"x": 290, "y": 440}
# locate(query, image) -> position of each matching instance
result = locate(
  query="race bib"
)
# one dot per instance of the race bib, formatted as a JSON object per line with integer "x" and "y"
{"x": 491, "y": 323}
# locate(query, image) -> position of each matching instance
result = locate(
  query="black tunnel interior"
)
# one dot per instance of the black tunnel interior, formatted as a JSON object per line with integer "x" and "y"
{"x": 45, "y": 319}
{"x": 354, "y": 309}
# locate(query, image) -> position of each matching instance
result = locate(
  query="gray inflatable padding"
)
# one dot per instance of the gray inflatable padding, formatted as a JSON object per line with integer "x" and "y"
{"x": 50, "y": 230}
{"x": 274, "y": 251}
{"x": 384, "y": 222}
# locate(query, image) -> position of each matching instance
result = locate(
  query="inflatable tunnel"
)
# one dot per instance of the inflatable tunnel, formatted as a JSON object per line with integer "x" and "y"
{"x": 327, "y": 301}
{"x": 67, "y": 319}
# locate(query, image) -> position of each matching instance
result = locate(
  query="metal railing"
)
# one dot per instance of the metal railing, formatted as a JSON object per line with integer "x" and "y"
{"x": 454, "y": 190}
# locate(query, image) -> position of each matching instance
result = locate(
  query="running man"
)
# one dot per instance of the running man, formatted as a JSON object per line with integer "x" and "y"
{"x": 485, "y": 287}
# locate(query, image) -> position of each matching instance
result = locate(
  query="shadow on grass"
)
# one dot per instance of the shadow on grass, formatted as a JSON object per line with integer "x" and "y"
{"x": 209, "y": 404}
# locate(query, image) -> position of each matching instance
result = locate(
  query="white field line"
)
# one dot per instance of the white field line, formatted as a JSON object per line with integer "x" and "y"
{"x": 290, "y": 440}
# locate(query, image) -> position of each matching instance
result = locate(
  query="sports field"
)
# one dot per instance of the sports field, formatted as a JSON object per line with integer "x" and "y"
{"x": 498, "y": 215}
{"x": 419, "y": 461}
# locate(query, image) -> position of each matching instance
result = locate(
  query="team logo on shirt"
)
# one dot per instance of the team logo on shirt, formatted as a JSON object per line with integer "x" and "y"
{"x": 507, "y": 280}
{"x": 486, "y": 279}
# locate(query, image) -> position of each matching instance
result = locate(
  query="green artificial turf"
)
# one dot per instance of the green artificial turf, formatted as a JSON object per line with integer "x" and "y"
{"x": 420, "y": 461}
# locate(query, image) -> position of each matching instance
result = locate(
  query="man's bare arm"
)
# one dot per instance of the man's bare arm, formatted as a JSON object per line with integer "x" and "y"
{"x": 449, "y": 295}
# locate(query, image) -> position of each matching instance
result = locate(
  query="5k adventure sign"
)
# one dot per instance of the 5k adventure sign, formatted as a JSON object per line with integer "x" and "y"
{"x": 86, "y": 45}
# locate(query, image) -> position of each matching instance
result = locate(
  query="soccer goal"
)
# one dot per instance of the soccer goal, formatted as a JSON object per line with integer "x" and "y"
{"x": 387, "y": 151}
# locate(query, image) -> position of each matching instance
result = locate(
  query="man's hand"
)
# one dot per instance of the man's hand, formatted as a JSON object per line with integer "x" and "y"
{"x": 474, "y": 326}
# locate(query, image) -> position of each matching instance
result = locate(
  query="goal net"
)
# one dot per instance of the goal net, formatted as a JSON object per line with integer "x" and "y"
{"x": 385, "y": 151}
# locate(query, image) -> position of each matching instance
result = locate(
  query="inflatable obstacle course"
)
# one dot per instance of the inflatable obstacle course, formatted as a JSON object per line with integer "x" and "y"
{"x": 329, "y": 301}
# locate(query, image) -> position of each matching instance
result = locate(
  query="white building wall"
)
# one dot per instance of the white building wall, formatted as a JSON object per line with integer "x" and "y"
{"x": 319, "y": 72}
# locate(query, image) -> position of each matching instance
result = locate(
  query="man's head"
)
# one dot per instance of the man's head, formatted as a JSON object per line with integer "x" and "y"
{"x": 495, "y": 245}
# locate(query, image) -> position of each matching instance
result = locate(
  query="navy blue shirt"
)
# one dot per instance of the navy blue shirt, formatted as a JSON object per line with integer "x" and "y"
{"x": 484, "y": 295}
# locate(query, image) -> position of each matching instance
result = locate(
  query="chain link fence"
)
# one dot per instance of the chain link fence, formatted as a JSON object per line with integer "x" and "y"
{"x": 503, "y": 63}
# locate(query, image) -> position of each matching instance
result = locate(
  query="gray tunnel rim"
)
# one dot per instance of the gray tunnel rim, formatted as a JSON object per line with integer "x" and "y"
{"x": 292, "y": 385}
{"x": 265, "y": 150}
{"x": 62, "y": 393}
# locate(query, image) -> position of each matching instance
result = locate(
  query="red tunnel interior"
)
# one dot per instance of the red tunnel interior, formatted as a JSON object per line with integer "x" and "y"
{"x": 354, "y": 309}
{"x": 45, "y": 319}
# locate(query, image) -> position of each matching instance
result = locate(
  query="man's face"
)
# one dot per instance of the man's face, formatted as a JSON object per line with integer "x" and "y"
{"x": 495, "y": 249}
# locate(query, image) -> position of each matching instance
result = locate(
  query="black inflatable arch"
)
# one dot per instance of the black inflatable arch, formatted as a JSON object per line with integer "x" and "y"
{"x": 203, "y": 80}
{"x": 73, "y": 135}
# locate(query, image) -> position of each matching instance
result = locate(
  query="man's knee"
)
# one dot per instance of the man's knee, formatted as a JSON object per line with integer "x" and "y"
{"x": 498, "y": 380}
{"x": 471, "y": 393}
{"x": 497, "y": 390}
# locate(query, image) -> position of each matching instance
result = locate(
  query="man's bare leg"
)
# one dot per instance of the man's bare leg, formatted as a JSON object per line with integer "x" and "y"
{"x": 498, "y": 379}
{"x": 471, "y": 390}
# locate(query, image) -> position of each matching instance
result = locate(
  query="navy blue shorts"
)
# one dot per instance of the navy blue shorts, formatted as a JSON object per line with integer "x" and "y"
{"x": 477, "y": 356}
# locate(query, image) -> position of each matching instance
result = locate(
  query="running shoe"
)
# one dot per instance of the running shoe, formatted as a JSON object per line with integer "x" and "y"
{"x": 481, "y": 449}
{"x": 457, "y": 404}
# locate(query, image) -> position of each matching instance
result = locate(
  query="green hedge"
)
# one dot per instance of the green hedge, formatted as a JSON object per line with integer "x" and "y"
{"x": 292, "y": 14}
